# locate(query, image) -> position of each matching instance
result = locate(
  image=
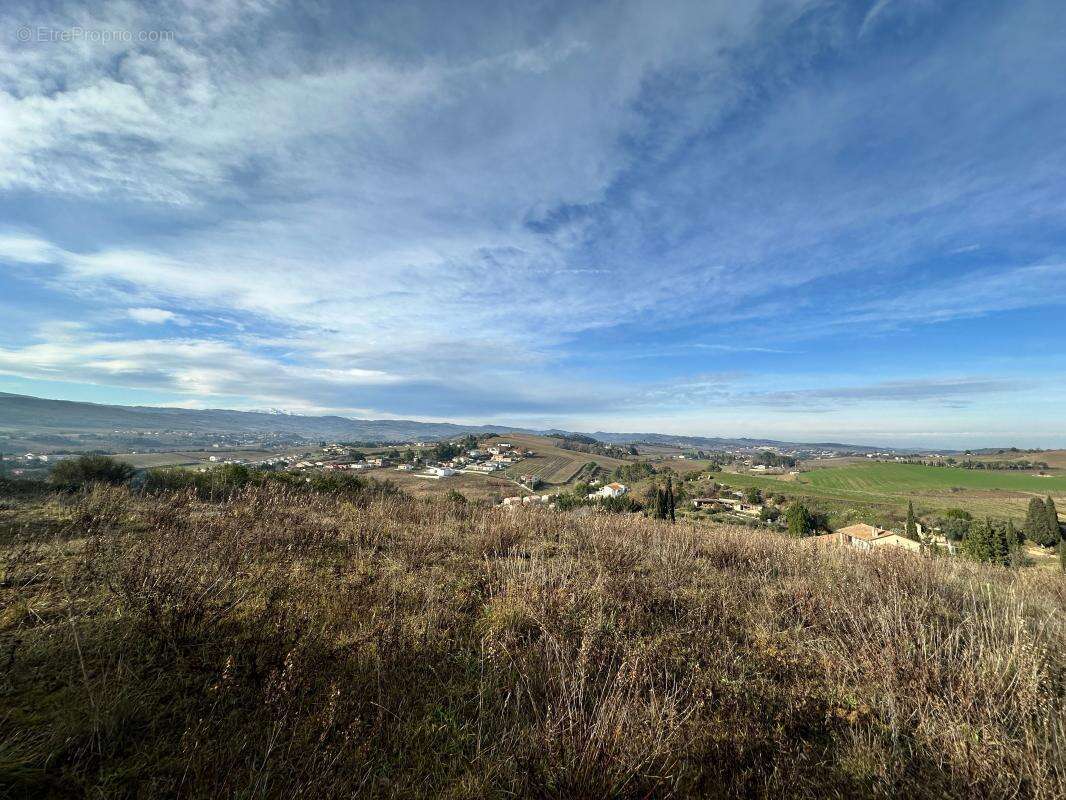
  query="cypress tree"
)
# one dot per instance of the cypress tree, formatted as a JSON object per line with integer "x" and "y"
{"x": 1036, "y": 521}
{"x": 978, "y": 545}
{"x": 660, "y": 504}
{"x": 1013, "y": 545}
{"x": 911, "y": 531}
{"x": 670, "y": 499}
{"x": 1054, "y": 533}
{"x": 799, "y": 520}
{"x": 1000, "y": 546}
{"x": 1034, "y": 513}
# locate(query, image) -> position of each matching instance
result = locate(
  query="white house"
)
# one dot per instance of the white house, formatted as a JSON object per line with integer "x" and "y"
{"x": 442, "y": 472}
{"x": 611, "y": 490}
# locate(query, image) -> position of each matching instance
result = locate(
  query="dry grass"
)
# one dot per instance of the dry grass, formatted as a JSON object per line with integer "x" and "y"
{"x": 297, "y": 646}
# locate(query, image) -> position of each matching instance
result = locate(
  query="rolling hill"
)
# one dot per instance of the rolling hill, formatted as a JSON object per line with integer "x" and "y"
{"x": 26, "y": 413}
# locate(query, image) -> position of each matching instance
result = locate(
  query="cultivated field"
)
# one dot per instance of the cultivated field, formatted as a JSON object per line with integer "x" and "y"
{"x": 894, "y": 477}
{"x": 552, "y": 464}
{"x": 281, "y": 644}
{"x": 892, "y": 485}
{"x": 551, "y": 469}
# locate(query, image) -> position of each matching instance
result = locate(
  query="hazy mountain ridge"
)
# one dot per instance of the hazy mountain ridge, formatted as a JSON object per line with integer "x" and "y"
{"x": 24, "y": 411}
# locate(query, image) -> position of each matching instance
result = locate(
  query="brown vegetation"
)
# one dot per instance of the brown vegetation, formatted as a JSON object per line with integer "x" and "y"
{"x": 284, "y": 645}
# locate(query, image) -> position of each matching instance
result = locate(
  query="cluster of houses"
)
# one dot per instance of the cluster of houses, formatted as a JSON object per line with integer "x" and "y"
{"x": 610, "y": 490}
{"x": 31, "y": 457}
{"x": 335, "y": 457}
{"x": 529, "y": 499}
{"x": 495, "y": 458}
{"x": 762, "y": 469}
{"x": 24, "y": 462}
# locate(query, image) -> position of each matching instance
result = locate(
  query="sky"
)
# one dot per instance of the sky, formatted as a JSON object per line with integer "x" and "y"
{"x": 794, "y": 219}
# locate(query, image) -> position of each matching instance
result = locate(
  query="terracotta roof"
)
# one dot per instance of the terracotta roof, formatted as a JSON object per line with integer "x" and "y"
{"x": 861, "y": 530}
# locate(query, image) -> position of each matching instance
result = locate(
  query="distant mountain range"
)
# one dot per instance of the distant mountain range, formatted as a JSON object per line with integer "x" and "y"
{"x": 26, "y": 413}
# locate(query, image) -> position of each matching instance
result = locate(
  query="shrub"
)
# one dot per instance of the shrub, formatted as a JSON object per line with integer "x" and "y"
{"x": 224, "y": 482}
{"x": 799, "y": 520}
{"x": 769, "y": 514}
{"x": 626, "y": 504}
{"x": 955, "y": 529}
{"x": 73, "y": 473}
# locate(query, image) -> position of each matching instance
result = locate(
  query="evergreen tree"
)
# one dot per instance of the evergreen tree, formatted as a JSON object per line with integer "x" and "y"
{"x": 1000, "y": 546}
{"x": 1014, "y": 545}
{"x": 670, "y": 499}
{"x": 1036, "y": 527}
{"x": 659, "y": 510}
{"x": 979, "y": 545}
{"x": 799, "y": 520}
{"x": 911, "y": 531}
{"x": 1062, "y": 554}
{"x": 1054, "y": 532}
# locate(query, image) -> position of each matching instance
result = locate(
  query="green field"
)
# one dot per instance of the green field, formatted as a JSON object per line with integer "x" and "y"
{"x": 892, "y": 477}
{"x": 889, "y": 486}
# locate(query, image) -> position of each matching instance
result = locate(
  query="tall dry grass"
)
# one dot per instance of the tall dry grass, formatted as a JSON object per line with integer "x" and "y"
{"x": 293, "y": 645}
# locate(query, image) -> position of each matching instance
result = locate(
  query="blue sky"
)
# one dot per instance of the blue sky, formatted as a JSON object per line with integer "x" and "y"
{"x": 806, "y": 220}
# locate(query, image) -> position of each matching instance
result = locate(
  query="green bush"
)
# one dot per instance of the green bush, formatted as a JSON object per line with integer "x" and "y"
{"x": 221, "y": 483}
{"x": 74, "y": 473}
{"x": 626, "y": 504}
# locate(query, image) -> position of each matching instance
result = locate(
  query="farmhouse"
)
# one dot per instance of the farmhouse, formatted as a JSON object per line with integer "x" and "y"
{"x": 726, "y": 504}
{"x": 867, "y": 537}
{"x": 611, "y": 490}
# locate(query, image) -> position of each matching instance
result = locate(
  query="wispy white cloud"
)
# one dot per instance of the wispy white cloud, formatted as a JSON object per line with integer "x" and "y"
{"x": 156, "y": 316}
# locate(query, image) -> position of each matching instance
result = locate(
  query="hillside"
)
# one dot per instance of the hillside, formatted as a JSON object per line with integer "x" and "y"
{"x": 718, "y": 443}
{"x": 22, "y": 412}
{"x": 284, "y": 644}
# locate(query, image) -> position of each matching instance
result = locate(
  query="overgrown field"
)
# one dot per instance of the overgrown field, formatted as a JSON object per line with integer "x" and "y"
{"x": 286, "y": 644}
